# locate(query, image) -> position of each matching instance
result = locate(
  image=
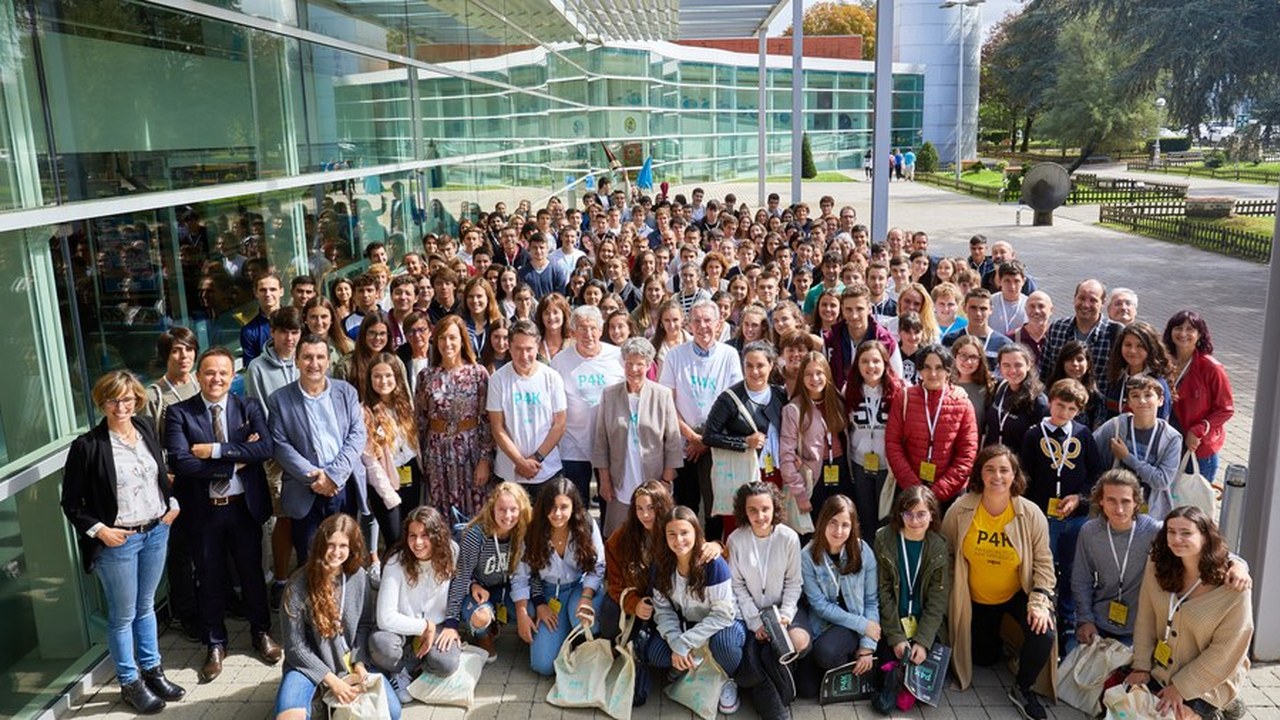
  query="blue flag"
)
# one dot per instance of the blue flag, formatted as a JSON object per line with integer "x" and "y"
{"x": 644, "y": 180}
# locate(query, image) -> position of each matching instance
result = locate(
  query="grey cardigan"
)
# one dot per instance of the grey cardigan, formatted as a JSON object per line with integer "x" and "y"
{"x": 304, "y": 649}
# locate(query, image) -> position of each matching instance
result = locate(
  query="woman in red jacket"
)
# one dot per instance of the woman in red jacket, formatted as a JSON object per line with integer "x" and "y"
{"x": 1202, "y": 402}
{"x": 932, "y": 437}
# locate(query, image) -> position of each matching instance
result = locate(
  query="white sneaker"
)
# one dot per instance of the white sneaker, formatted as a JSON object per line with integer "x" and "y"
{"x": 729, "y": 698}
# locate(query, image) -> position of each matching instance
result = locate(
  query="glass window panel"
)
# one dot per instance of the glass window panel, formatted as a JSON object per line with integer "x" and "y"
{"x": 169, "y": 131}
{"x": 26, "y": 396}
{"x": 46, "y": 599}
{"x": 359, "y": 109}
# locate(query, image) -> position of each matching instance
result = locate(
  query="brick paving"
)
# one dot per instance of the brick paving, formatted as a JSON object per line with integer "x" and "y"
{"x": 1166, "y": 277}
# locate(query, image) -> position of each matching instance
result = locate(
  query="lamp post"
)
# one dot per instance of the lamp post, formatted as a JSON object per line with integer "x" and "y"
{"x": 962, "y": 4}
{"x": 1155, "y": 146}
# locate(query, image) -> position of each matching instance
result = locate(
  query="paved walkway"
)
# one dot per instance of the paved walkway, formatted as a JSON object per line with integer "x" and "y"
{"x": 1166, "y": 277}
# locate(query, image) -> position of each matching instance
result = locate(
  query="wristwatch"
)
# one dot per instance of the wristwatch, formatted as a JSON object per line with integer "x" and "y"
{"x": 539, "y": 456}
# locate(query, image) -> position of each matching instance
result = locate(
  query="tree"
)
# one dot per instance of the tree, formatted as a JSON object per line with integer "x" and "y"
{"x": 927, "y": 158}
{"x": 1203, "y": 56}
{"x": 1020, "y": 65}
{"x": 834, "y": 18}
{"x": 808, "y": 169}
{"x": 1091, "y": 107}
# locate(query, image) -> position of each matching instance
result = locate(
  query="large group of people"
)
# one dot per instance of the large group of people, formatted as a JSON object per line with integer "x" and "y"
{"x": 713, "y": 420}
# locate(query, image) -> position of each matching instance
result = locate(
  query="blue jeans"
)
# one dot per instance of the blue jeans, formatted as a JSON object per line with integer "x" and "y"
{"x": 546, "y": 642}
{"x": 129, "y": 575}
{"x": 1062, "y": 541}
{"x": 1208, "y": 466}
{"x": 497, "y": 596}
{"x": 726, "y": 647}
{"x": 296, "y": 692}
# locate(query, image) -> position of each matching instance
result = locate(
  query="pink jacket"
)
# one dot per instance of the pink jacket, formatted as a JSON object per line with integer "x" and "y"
{"x": 804, "y": 448}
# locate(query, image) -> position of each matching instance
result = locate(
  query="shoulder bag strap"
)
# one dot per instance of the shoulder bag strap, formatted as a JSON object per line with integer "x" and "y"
{"x": 743, "y": 409}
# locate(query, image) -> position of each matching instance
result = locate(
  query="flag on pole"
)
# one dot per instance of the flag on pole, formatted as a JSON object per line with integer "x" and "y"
{"x": 644, "y": 180}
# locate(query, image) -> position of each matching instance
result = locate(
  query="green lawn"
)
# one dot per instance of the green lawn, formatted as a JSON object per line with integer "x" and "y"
{"x": 1261, "y": 225}
{"x": 828, "y": 176}
{"x": 986, "y": 177}
{"x": 1260, "y": 167}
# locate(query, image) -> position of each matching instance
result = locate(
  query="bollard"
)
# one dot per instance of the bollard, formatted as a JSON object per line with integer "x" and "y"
{"x": 1233, "y": 503}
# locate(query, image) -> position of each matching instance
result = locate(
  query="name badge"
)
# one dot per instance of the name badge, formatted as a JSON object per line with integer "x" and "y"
{"x": 1118, "y": 613}
{"x": 501, "y": 614}
{"x": 1163, "y": 654}
{"x": 909, "y": 626}
{"x": 768, "y": 463}
{"x": 1054, "y": 510}
{"x": 555, "y": 605}
{"x": 830, "y": 475}
{"x": 928, "y": 471}
{"x": 406, "y": 475}
{"x": 871, "y": 462}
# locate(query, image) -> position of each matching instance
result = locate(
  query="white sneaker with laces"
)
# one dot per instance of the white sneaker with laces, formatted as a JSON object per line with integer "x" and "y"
{"x": 729, "y": 698}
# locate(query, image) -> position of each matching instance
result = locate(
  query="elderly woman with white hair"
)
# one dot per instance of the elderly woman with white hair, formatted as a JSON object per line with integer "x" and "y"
{"x": 588, "y": 366}
{"x": 637, "y": 434}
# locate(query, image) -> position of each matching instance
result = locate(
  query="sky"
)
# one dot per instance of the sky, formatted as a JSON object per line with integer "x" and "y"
{"x": 992, "y": 12}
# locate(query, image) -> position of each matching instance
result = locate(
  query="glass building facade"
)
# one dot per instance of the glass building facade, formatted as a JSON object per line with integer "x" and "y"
{"x": 146, "y": 148}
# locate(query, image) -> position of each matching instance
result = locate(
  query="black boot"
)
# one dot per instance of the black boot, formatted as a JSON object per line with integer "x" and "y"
{"x": 139, "y": 697}
{"x": 161, "y": 686}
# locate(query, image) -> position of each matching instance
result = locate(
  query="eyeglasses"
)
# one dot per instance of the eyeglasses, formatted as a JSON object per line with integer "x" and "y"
{"x": 117, "y": 402}
{"x": 919, "y": 515}
{"x": 419, "y": 331}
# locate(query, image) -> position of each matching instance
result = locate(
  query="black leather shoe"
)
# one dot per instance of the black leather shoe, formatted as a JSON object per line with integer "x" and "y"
{"x": 161, "y": 686}
{"x": 139, "y": 697}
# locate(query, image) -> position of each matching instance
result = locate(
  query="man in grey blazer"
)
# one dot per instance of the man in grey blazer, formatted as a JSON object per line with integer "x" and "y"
{"x": 318, "y": 430}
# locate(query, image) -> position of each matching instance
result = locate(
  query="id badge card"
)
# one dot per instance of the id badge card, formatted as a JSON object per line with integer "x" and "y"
{"x": 406, "y": 475}
{"x": 830, "y": 474}
{"x": 1163, "y": 654}
{"x": 346, "y": 662}
{"x": 928, "y": 471}
{"x": 417, "y": 646}
{"x": 1118, "y": 613}
{"x": 555, "y": 605}
{"x": 909, "y": 626}
{"x": 1054, "y": 510}
{"x": 768, "y": 463}
{"x": 501, "y": 614}
{"x": 871, "y": 462}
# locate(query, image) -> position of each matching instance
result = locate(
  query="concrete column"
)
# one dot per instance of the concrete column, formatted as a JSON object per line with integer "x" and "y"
{"x": 762, "y": 117}
{"x": 797, "y": 95}
{"x": 1260, "y": 540}
{"x": 882, "y": 118}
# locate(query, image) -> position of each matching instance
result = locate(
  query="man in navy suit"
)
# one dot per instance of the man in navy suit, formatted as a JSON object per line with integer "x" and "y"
{"x": 318, "y": 433}
{"x": 217, "y": 443}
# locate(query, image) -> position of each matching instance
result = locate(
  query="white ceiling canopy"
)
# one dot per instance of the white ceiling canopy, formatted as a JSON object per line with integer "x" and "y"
{"x": 520, "y": 22}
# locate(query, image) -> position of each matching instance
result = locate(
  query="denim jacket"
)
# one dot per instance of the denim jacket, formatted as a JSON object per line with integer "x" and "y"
{"x": 824, "y": 585}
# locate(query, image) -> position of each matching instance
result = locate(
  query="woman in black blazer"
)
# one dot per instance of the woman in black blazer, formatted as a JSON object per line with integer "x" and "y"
{"x": 116, "y": 495}
{"x": 728, "y": 428}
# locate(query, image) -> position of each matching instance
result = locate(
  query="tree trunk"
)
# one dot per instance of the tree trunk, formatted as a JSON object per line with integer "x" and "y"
{"x": 1085, "y": 152}
{"x": 1026, "y": 131}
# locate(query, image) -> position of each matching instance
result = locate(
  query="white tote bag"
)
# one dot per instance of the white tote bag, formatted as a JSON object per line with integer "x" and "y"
{"x": 1191, "y": 488}
{"x": 582, "y": 672}
{"x": 458, "y": 689}
{"x": 731, "y": 469}
{"x": 368, "y": 705}
{"x": 1084, "y": 671}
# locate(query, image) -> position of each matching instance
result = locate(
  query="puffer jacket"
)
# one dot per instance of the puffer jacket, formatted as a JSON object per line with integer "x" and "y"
{"x": 955, "y": 444}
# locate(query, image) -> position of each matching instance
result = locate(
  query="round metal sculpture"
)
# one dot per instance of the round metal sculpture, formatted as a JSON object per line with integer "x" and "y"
{"x": 1045, "y": 188}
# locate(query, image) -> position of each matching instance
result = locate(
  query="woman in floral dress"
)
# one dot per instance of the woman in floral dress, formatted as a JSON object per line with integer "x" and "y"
{"x": 455, "y": 446}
